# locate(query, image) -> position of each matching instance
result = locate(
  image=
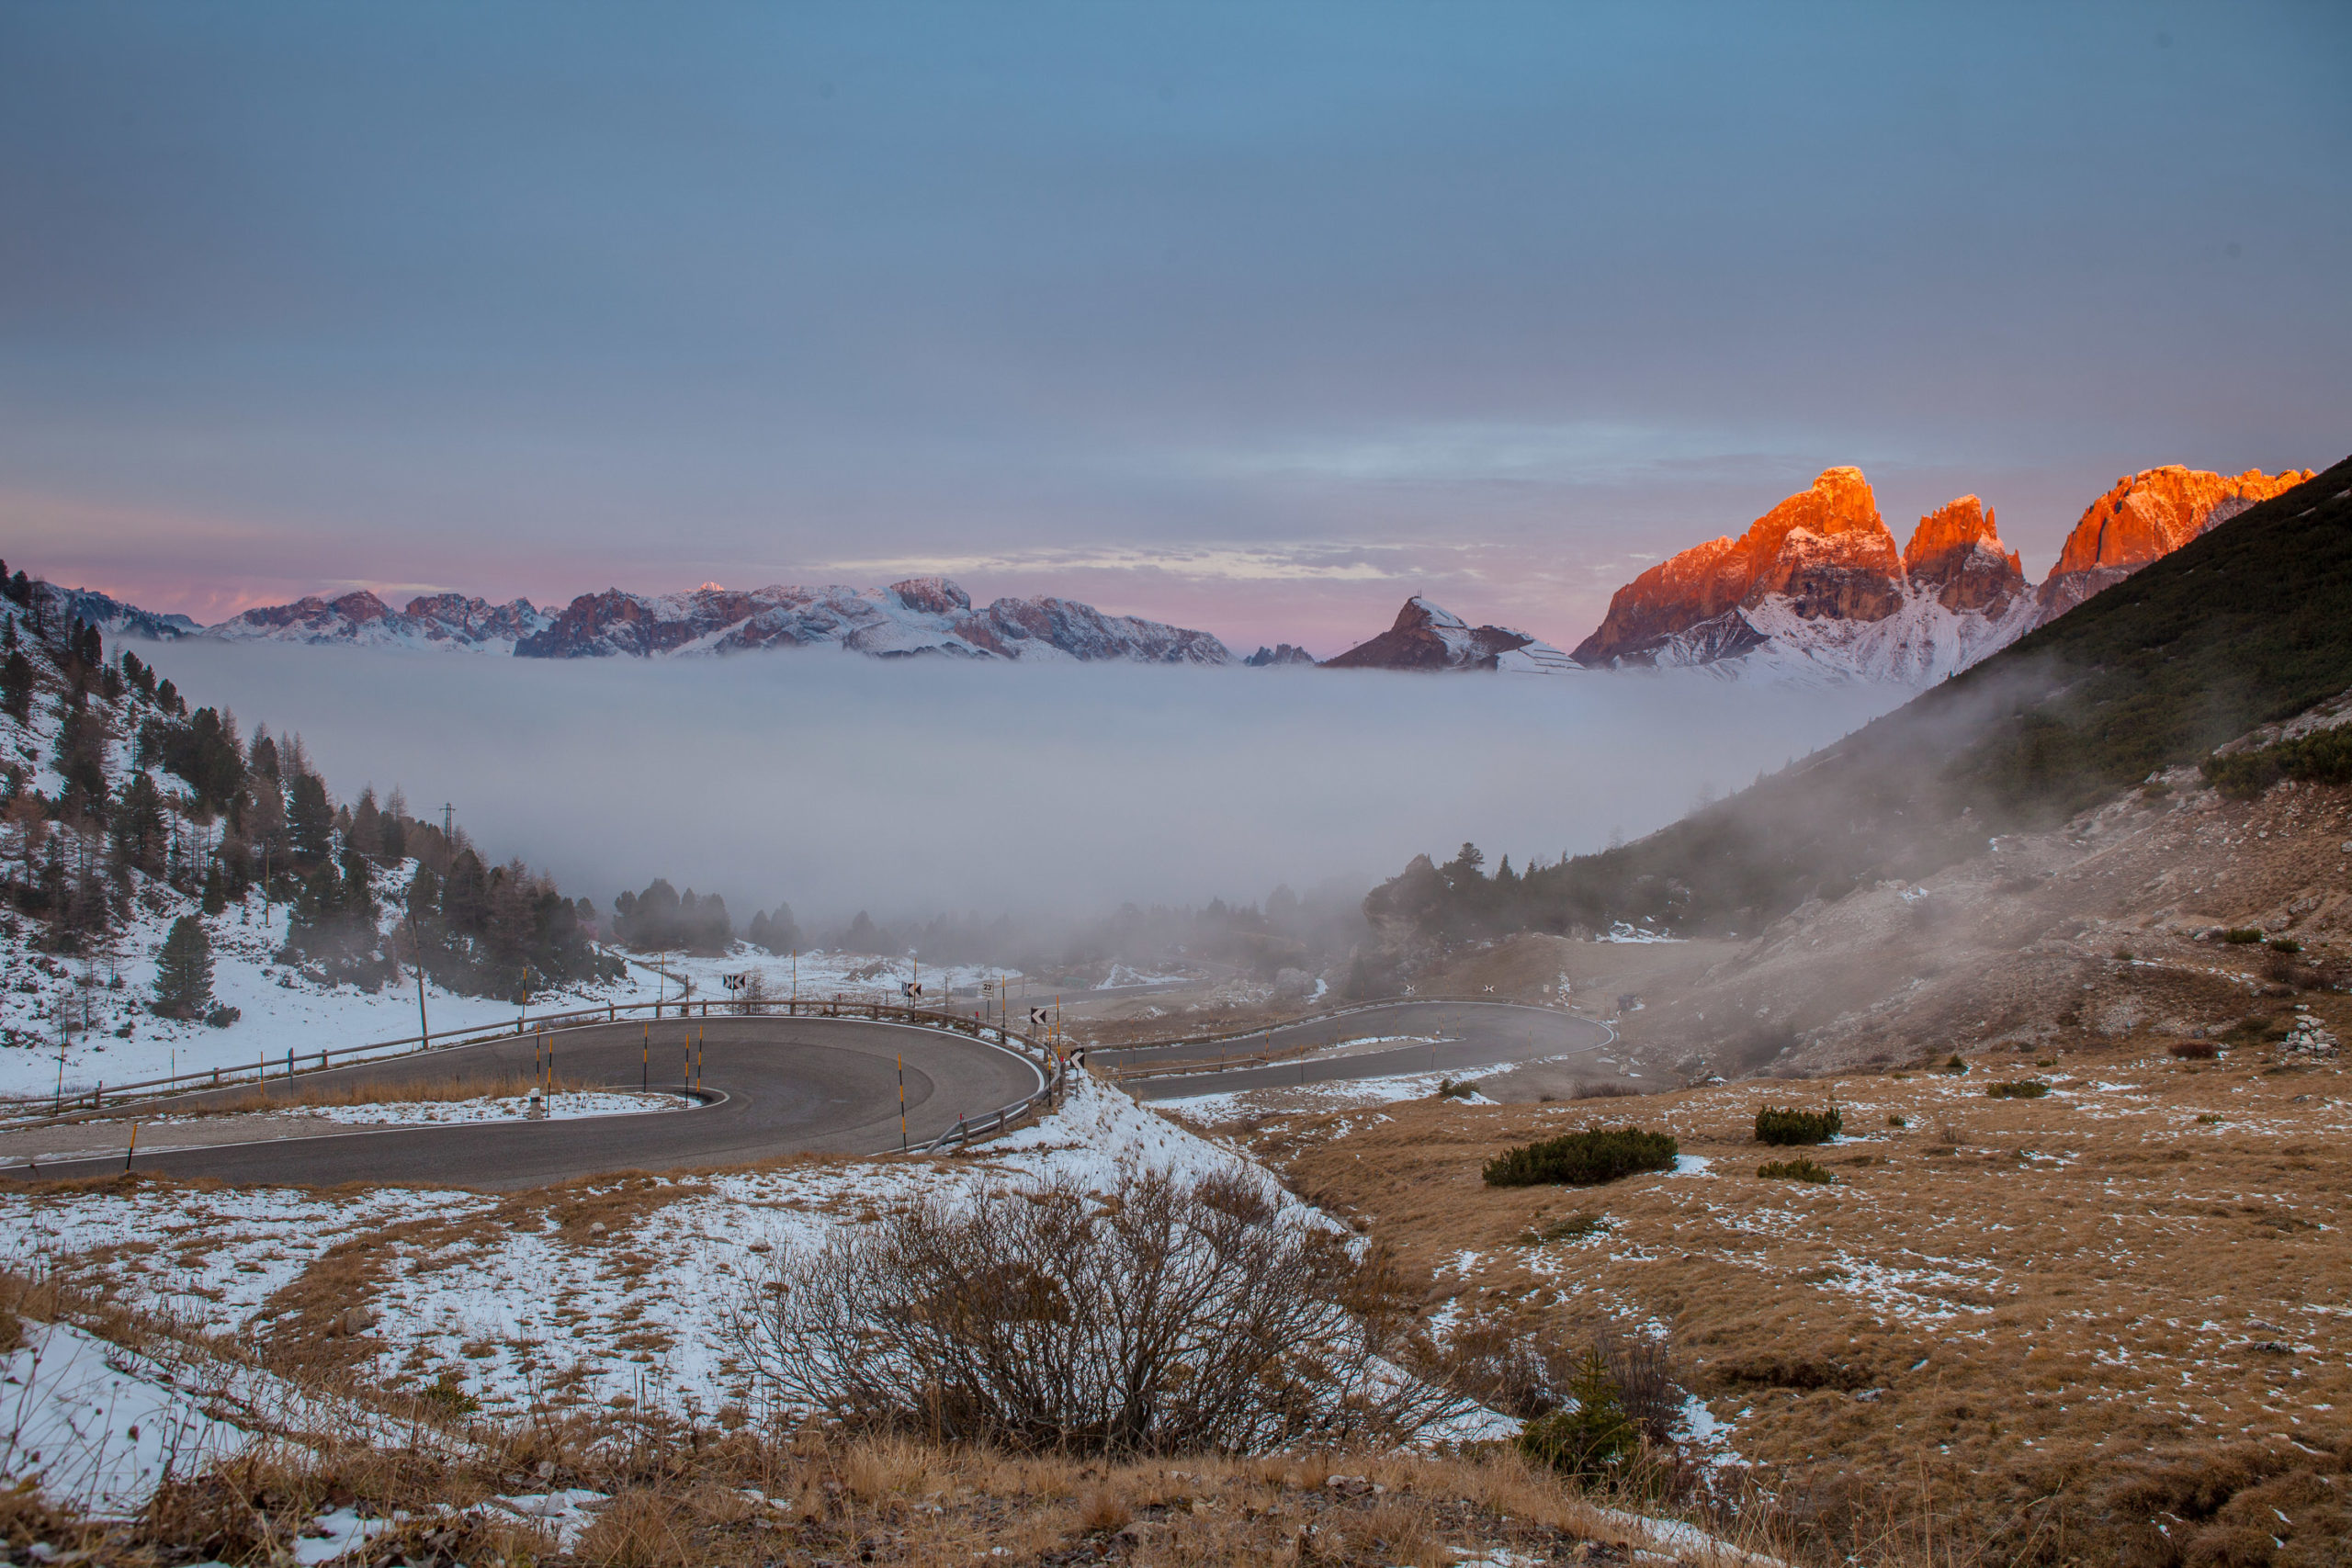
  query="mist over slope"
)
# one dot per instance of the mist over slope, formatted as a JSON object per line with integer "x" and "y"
{"x": 2249, "y": 624}
{"x": 841, "y": 784}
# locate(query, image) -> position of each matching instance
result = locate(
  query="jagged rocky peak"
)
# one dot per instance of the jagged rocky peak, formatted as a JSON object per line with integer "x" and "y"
{"x": 442, "y": 620}
{"x": 1430, "y": 637}
{"x": 1825, "y": 551}
{"x": 1281, "y": 653}
{"x": 2148, "y": 515}
{"x": 1956, "y": 555}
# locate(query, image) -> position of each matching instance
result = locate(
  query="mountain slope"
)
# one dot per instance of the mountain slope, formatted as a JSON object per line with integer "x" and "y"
{"x": 2246, "y": 625}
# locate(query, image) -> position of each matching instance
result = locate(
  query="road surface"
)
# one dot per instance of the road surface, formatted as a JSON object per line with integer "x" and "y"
{"x": 775, "y": 1087}
{"x": 786, "y": 1086}
{"x": 1466, "y": 1035}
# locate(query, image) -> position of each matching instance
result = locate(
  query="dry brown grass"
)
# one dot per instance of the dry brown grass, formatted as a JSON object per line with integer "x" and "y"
{"x": 2049, "y": 1326}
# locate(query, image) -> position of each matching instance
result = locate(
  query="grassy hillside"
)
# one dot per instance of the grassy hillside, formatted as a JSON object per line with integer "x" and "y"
{"x": 2247, "y": 624}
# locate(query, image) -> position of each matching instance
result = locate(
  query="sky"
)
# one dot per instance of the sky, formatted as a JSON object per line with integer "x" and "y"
{"x": 1256, "y": 318}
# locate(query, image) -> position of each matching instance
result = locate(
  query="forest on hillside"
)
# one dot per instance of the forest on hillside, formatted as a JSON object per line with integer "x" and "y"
{"x": 112, "y": 789}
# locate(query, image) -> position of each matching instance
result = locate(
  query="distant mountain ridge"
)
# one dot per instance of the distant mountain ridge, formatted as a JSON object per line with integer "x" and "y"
{"x": 921, "y": 615}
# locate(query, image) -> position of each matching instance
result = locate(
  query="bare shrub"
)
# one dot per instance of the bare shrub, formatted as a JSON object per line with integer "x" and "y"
{"x": 1160, "y": 1318}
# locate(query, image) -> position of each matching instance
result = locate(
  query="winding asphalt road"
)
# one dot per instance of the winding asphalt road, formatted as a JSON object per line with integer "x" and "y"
{"x": 1467, "y": 1035}
{"x": 775, "y": 1086}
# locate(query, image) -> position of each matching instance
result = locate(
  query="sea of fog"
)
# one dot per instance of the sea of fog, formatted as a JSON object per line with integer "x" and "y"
{"x": 840, "y": 782}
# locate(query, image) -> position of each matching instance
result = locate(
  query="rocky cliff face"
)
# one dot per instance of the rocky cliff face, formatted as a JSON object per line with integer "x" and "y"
{"x": 1814, "y": 589}
{"x": 1427, "y": 636}
{"x": 440, "y": 620}
{"x": 919, "y": 615}
{"x": 1823, "y": 551}
{"x": 1956, "y": 554}
{"x": 2148, "y": 515}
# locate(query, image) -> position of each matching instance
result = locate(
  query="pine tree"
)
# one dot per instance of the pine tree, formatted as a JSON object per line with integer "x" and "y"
{"x": 16, "y": 683}
{"x": 312, "y": 818}
{"x": 184, "y": 971}
{"x": 1590, "y": 1436}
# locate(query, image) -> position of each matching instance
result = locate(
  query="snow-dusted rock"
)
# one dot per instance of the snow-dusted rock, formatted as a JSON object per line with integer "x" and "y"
{"x": 1428, "y": 636}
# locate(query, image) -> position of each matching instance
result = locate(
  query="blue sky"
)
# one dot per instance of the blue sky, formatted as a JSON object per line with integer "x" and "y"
{"x": 1257, "y": 317}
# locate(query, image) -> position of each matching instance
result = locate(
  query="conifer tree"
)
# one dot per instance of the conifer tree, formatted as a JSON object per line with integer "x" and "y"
{"x": 184, "y": 971}
{"x": 16, "y": 683}
{"x": 312, "y": 818}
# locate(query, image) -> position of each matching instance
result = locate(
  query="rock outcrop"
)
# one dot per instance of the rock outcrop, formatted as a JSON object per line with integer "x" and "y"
{"x": 1281, "y": 653}
{"x": 1956, "y": 554}
{"x": 2147, "y": 516}
{"x": 1823, "y": 551}
{"x": 1427, "y": 636}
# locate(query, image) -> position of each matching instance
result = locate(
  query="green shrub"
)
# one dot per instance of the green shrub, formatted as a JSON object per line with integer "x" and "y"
{"x": 1955, "y": 1066}
{"x": 1592, "y": 1436}
{"x": 2124, "y": 955}
{"x": 449, "y": 1394}
{"x": 2022, "y": 1088}
{"x": 1448, "y": 1089}
{"x": 2242, "y": 936}
{"x": 2285, "y": 944}
{"x": 1583, "y": 1159}
{"x": 1898, "y": 1121}
{"x": 1775, "y": 1125}
{"x": 1799, "y": 1169}
{"x": 2323, "y": 757}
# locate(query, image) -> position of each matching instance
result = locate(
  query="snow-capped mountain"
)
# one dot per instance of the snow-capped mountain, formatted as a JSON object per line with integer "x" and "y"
{"x": 919, "y": 615}
{"x": 437, "y": 620}
{"x": 1428, "y": 636}
{"x": 1816, "y": 591}
{"x": 112, "y": 616}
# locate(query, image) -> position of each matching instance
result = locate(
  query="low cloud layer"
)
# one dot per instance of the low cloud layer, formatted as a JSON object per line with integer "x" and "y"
{"x": 838, "y": 782}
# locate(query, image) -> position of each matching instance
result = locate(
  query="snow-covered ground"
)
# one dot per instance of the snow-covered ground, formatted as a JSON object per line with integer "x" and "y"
{"x": 525, "y": 1299}
{"x": 565, "y": 1107}
{"x": 96, "y": 1425}
{"x": 125, "y": 1042}
{"x": 1313, "y": 1098}
{"x": 281, "y": 1010}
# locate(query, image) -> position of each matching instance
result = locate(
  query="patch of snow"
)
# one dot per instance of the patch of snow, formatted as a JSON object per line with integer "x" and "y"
{"x": 96, "y": 1426}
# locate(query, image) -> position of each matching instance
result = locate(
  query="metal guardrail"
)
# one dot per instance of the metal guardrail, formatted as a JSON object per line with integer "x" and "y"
{"x": 15, "y": 1110}
{"x": 1182, "y": 1069}
{"x": 1352, "y": 1009}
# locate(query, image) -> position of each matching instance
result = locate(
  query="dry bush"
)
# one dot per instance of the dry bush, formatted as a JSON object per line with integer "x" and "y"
{"x": 1160, "y": 1318}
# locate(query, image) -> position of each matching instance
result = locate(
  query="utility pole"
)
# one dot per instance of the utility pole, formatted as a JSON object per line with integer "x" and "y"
{"x": 448, "y": 819}
{"x": 424, "y": 1030}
